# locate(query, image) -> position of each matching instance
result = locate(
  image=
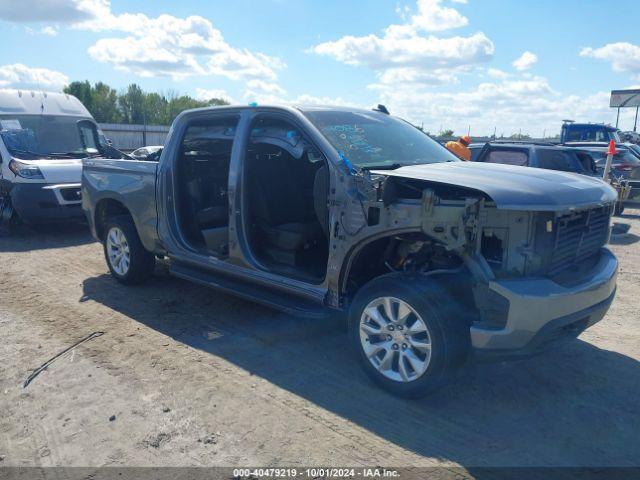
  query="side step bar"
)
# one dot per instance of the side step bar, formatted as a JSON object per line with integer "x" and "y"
{"x": 289, "y": 304}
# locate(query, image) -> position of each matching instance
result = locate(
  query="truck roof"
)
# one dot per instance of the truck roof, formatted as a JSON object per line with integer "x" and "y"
{"x": 289, "y": 107}
{"x": 587, "y": 125}
{"x": 528, "y": 144}
{"x": 32, "y": 102}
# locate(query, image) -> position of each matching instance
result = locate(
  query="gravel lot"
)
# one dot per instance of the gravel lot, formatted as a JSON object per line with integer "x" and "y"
{"x": 185, "y": 375}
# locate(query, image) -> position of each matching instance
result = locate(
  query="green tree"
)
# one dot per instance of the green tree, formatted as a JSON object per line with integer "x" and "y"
{"x": 105, "y": 107}
{"x": 446, "y": 133}
{"x": 82, "y": 91}
{"x": 134, "y": 105}
{"x": 156, "y": 109}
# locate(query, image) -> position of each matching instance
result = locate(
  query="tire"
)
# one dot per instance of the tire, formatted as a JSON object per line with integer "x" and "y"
{"x": 136, "y": 264}
{"x": 8, "y": 216}
{"x": 447, "y": 334}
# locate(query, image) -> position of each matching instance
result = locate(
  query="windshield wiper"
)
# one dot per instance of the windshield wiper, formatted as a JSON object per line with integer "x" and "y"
{"x": 20, "y": 151}
{"x": 391, "y": 166}
{"x": 73, "y": 154}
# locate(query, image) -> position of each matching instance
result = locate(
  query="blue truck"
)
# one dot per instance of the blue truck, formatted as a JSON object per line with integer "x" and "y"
{"x": 588, "y": 132}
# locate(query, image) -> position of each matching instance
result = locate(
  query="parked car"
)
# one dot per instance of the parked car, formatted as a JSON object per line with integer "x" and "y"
{"x": 625, "y": 164}
{"x": 321, "y": 210}
{"x": 537, "y": 155}
{"x": 631, "y": 137}
{"x": 625, "y": 168}
{"x": 634, "y": 147}
{"x": 143, "y": 153}
{"x": 43, "y": 138}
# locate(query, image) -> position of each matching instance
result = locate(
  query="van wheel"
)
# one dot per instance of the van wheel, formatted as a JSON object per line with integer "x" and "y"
{"x": 409, "y": 333}
{"x": 8, "y": 216}
{"x": 129, "y": 262}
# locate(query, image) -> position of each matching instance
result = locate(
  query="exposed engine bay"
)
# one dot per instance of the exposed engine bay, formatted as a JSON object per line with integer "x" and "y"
{"x": 444, "y": 229}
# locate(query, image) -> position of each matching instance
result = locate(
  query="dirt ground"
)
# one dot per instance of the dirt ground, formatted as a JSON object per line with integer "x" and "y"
{"x": 186, "y": 376}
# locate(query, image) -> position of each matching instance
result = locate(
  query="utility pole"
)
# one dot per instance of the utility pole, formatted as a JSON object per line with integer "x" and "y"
{"x": 635, "y": 123}
{"x": 144, "y": 126}
{"x": 618, "y": 117}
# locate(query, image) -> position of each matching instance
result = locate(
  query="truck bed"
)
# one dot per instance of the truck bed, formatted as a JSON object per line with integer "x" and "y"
{"x": 129, "y": 183}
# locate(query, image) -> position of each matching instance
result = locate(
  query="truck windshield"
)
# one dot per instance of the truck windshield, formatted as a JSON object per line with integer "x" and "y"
{"x": 370, "y": 140}
{"x": 47, "y": 136}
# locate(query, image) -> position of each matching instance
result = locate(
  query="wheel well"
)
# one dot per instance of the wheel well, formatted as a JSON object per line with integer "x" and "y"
{"x": 412, "y": 252}
{"x": 104, "y": 210}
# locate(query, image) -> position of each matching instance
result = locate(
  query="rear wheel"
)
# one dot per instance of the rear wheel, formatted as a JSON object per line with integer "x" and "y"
{"x": 128, "y": 261}
{"x": 409, "y": 334}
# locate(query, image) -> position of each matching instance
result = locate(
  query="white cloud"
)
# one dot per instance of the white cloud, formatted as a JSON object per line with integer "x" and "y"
{"x": 263, "y": 98}
{"x": 525, "y": 61}
{"x": 18, "y": 75}
{"x": 510, "y": 105}
{"x": 48, "y": 30}
{"x": 416, "y": 51}
{"x": 207, "y": 94}
{"x": 267, "y": 87}
{"x": 407, "y": 51}
{"x": 176, "y": 47}
{"x": 497, "y": 73}
{"x": 52, "y": 11}
{"x": 623, "y": 56}
{"x": 433, "y": 17}
{"x": 393, "y": 77}
{"x": 151, "y": 46}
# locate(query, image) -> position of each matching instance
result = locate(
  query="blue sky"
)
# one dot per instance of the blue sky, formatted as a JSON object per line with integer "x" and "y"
{"x": 483, "y": 64}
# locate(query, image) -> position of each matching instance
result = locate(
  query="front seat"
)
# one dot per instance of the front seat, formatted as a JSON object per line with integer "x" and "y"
{"x": 279, "y": 205}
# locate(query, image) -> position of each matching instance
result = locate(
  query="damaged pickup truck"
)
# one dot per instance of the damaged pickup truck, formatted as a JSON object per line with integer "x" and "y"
{"x": 317, "y": 210}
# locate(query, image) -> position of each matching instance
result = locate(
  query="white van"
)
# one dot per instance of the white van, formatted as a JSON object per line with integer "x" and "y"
{"x": 43, "y": 138}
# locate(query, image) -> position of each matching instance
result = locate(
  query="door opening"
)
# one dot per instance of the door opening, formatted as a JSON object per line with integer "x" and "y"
{"x": 202, "y": 171}
{"x": 286, "y": 190}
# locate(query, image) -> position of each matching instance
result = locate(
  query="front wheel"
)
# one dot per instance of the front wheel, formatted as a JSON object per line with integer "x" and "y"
{"x": 409, "y": 334}
{"x": 128, "y": 261}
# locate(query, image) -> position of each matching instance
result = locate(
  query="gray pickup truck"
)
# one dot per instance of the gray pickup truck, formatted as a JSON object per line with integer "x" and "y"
{"x": 322, "y": 210}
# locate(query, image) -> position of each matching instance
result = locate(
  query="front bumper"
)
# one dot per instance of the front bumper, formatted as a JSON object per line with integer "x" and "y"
{"x": 541, "y": 311}
{"x": 40, "y": 203}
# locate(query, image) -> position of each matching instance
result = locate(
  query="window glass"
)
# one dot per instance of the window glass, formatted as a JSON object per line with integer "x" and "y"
{"x": 370, "y": 139}
{"x": 558, "y": 160}
{"x": 623, "y": 156}
{"x": 509, "y": 157}
{"x": 37, "y": 136}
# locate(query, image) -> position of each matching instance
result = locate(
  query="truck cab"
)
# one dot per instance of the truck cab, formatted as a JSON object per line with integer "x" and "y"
{"x": 588, "y": 132}
{"x": 43, "y": 138}
{"x": 320, "y": 211}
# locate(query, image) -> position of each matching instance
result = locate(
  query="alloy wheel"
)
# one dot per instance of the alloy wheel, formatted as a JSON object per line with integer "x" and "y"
{"x": 395, "y": 339}
{"x": 118, "y": 251}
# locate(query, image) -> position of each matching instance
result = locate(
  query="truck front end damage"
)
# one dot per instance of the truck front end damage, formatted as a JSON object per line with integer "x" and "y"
{"x": 529, "y": 271}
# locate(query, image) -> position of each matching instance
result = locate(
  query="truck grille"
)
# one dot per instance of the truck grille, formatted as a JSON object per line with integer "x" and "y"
{"x": 579, "y": 236}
